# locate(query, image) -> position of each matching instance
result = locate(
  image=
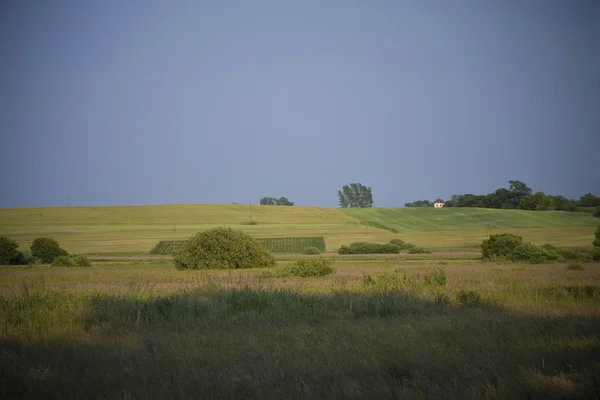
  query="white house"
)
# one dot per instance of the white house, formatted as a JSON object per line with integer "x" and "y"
{"x": 439, "y": 203}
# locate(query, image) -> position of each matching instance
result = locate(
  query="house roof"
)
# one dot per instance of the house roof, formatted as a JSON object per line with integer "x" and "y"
{"x": 439, "y": 201}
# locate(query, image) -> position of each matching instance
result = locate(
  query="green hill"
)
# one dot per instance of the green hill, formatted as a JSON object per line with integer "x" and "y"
{"x": 405, "y": 220}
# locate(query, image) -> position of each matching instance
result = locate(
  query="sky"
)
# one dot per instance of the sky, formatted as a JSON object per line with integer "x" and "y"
{"x": 153, "y": 102}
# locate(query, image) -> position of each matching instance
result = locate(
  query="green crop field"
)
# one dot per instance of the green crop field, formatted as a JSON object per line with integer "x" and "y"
{"x": 135, "y": 230}
{"x": 274, "y": 245}
{"x": 379, "y": 329}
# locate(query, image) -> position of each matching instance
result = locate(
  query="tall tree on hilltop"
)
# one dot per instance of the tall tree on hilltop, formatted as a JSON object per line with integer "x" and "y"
{"x": 355, "y": 195}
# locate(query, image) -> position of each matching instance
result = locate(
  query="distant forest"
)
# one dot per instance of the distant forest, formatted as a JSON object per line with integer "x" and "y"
{"x": 517, "y": 196}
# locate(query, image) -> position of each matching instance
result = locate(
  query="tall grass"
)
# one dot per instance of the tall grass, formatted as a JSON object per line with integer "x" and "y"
{"x": 402, "y": 330}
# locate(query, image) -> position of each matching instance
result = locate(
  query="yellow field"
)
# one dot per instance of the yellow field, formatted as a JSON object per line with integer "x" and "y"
{"x": 129, "y": 230}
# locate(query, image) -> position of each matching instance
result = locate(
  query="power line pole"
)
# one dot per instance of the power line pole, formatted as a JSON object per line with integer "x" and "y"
{"x": 68, "y": 200}
{"x": 250, "y": 210}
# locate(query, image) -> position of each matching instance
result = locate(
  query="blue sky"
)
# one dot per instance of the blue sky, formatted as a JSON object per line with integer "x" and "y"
{"x": 110, "y": 102}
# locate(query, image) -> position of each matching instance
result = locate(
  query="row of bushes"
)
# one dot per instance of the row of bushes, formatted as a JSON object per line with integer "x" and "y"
{"x": 507, "y": 246}
{"x": 395, "y": 246}
{"x": 42, "y": 251}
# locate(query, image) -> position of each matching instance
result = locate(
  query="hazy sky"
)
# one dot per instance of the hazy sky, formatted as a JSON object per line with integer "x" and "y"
{"x": 111, "y": 101}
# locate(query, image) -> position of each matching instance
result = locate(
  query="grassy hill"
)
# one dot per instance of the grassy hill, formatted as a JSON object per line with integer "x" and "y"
{"x": 131, "y": 230}
{"x": 406, "y": 220}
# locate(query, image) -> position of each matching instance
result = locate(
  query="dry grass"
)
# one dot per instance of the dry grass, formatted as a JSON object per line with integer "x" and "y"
{"x": 146, "y": 330}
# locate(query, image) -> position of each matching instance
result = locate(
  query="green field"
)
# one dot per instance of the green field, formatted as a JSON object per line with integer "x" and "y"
{"x": 378, "y": 329}
{"x": 136, "y": 230}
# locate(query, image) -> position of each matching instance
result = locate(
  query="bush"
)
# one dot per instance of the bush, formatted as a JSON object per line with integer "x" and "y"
{"x": 311, "y": 250}
{"x": 469, "y": 298}
{"x": 369, "y": 248}
{"x": 222, "y": 248}
{"x": 62, "y": 261}
{"x": 580, "y": 253}
{"x": 9, "y": 255}
{"x": 418, "y": 250}
{"x": 437, "y": 277}
{"x": 597, "y": 212}
{"x": 46, "y": 249}
{"x": 402, "y": 244}
{"x": 597, "y": 240}
{"x": 80, "y": 260}
{"x": 305, "y": 267}
{"x": 500, "y": 246}
{"x": 534, "y": 254}
{"x": 575, "y": 267}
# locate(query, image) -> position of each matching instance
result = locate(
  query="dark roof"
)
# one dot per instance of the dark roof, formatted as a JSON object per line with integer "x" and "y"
{"x": 439, "y": 201}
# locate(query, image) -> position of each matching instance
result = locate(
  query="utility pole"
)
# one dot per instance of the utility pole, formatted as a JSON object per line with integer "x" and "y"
{"x": 171, "y": 201}
{"x": 250, "y": 210}
{"x": 68, "y": 200}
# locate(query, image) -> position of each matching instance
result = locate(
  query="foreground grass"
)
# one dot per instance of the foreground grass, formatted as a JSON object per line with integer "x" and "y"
{"x": 371, "y": 330}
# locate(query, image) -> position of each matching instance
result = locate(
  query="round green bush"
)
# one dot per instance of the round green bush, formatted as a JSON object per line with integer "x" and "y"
{"x": 534, "y": 254}
{"x": 597, "y": 234}
{"x": 222, "y": 248}
{"x": 47, "y": 250}
{"x": 80, "y": 260}
{"x": 305, "y": 267}
{"x": 62, "y": 261}
{"x": 9, "y": 255}
{"x": 311, "y": 250}
{"x": 500, "y": 246}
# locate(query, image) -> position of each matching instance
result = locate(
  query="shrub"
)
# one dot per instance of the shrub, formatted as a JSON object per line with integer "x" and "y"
{"x": 469, "y": 298}
{"x": 369, "y": 248}
{"x": 437, "y": 277}
{"x": 222, "y": 248}
{"x": 597, "y": 240}
{"x": 311, "y": 250}
{"x": 500, "y": 246}
{"x": 575, "y": 267}
{"x": 9, "y": 255}
{"x": 46, "y": 249}
{"x": 418, "y": 250}
{"x": 597, "y": 212}
{"x": 402, "y": 244}
{"x": 305, "y": 267}
{"x": 62, "y": 261}
{"x": 386, "y": 281}
{"x": 580, "y": 253}
{"x": 80, "y": 260}
{"x": 534, "y": 254}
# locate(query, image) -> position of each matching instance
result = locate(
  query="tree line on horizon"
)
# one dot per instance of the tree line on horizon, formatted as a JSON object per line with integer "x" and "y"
{"x": 517, "y": 196}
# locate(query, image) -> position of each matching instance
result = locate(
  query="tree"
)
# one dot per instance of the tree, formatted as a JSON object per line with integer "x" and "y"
{"x": 419, "y": 203}
{"x": 597, "y": 212}
{"x": 597, "y": 240}
{"x": 46, "y": 249}
{"x": 355, "y": 195}
{"x": 589, "y": 200}
{"x": 272, "y": 201}
{"x": 8, "y": 251}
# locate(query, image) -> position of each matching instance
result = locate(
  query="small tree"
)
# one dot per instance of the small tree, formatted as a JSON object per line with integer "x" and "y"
{"x": 597, "y": 212}
{"x": 46, "y": 249}
{"x": 8, "y": 251}
{"x": 597, "y": 240}
{"x": 355, "y": 195}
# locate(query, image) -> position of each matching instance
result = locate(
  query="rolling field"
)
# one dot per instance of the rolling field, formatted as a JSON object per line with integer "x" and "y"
{"x": 136, "y": 230}
{"x": 378, "y": 329}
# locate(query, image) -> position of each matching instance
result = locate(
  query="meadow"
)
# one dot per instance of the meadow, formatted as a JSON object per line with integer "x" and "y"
{"x": 373, "y": 329}
{"x": 137, "y": 230}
